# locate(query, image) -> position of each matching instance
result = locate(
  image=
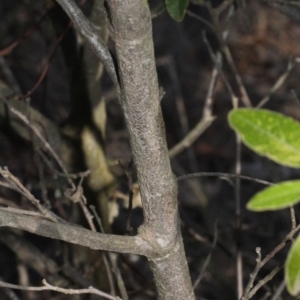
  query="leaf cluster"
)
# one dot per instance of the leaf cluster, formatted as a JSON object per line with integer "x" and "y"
{"x": 275, "y": 136}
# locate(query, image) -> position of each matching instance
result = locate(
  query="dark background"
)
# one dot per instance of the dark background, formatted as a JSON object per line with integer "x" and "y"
{"x": 261, "y": 40}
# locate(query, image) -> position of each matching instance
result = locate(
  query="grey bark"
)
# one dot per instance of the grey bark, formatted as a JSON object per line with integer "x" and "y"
{"x": 75, "y": 234}
{"x": 159, "y": 237}
{"x": 140, "y": 102}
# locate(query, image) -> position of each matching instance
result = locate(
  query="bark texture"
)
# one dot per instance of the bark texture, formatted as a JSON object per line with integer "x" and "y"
{"x": 140, "y": 102}
{"x": 75, "y": 234}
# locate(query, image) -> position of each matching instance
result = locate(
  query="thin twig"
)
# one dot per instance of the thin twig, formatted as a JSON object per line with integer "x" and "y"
{"x": 8, "y": 186}
{"x": 288, "y": 237}
{"x": 168, "y": 61}
{"x": 264, "y": 281}
{"x": 37, "y": 159}
{"x": 10, "y": 293}
{"x": 217, "y": 60}
{"x": 49, "y": 287}
{"x": 253, "y": 274}
{"x": 97, "y": 217}
{"x": 244, "y": 95}
{"x": 203, "y": 124}
{"x": 104, "y": 255}
{"x": 280, "y": 81}
{"x": 120, "y": 282}
{"x": 23, "y": 212}
{"x": 68, "y": 175}
{"x": 226, "y": 175}
{"x": 293, "y": 217}
{"x": 239, "y": 261}
{"x": 218, "y": 29}
{"x": 92, "y": 38}
{"x": 208, "y": 258}
{"x": 15, "y": 182}
{"x": 248, "y": 294}
{"x": 279, "y": 291}
{"x": 37, "y": 133}
{"x": 128, "y": 173}
{"x": 189, "y": 139}
{"x": 208, "y": 104}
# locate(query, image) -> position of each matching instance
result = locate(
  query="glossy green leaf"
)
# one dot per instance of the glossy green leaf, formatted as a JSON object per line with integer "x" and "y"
{"x": 279, "y": 196}
{"x": 292, "y": 269}
{"x": 268, "y": 133}
{"x": 177, "y": 8}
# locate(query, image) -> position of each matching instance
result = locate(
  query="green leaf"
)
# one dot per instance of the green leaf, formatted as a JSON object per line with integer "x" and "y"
{"x": 268, "y": 133}
{"x": 279, "y": 196}
{"x": 292, "y": 269}
{"x": 177, "y": 8}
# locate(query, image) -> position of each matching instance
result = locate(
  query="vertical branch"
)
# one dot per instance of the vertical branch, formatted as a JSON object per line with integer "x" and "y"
{"x": 132, "y": 26}
{"x": 239, "y": 261}
{"x": 141, "y": 106}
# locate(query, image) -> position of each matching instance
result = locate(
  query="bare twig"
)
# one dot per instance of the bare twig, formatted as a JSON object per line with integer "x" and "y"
{"x": 264, "y": 281}
{"x": 120, "y": 282}
{"x": 202, "y": 125}
{"x": 219, "y": 32}
{"x": 280, "y": 81}
{"x": 113, "y": 262}
{"x": 104, "y": 255}
{"x": 250, "y": 292}
{"x": 239, "y": 261}
{"x": 288, "y": 237}
{"x": 207, "y": 260}
{"x": 8, "y": 203}
{"x": 191, "y": 137}
{"x": 37, "y": 158}
{"x": 226, "y": 175}
{"x": 217, "y": 60}
{"x": 243, "y": 92}
{"x": 24, "y": 212}
{"x": 68, "y": 175}
{"x": 93, "y": 39}
{"x": 49, "y": 287}
{"x": 293, "y": 217}
{"x": 254, "y": 273}
{"x": 128, "y": 173}
{"x": 10, "y": 293}
{"x": 168, "y": 61}
{"x": 37, "y": 133}
{"x": 8, "y": 186}
{"x": 15, "y": 182}
{"x": 32, "y": 257}
{"x": 53, "y": 154}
